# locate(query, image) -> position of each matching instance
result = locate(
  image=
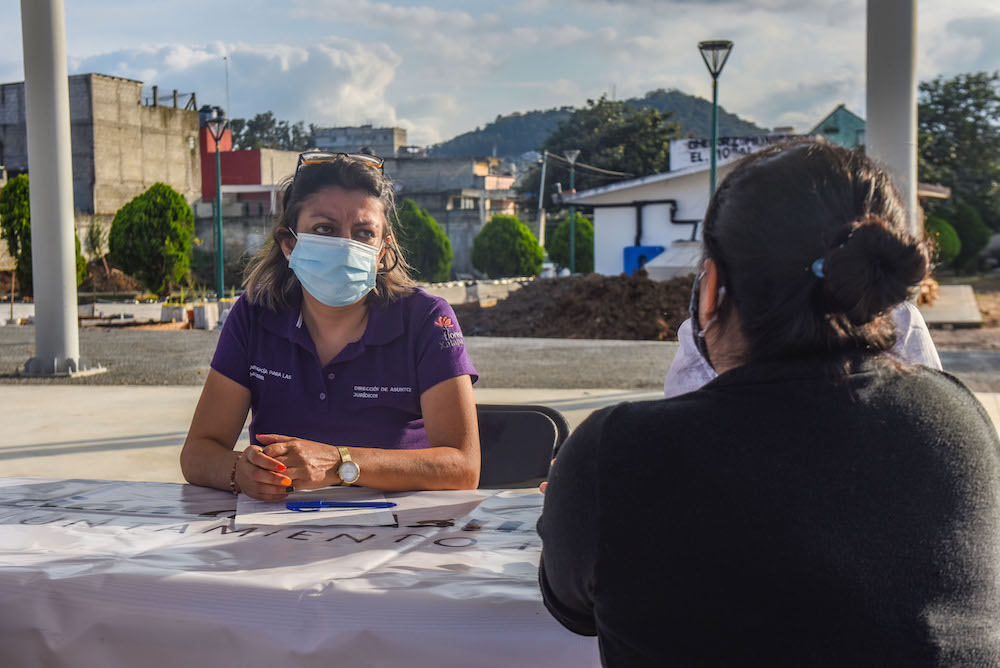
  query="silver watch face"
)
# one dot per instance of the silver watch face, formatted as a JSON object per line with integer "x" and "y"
{"x": 349, "y": 472}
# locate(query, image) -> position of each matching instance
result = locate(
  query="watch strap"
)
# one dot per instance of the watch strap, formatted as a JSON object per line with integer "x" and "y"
{"x": 345, "y": 456}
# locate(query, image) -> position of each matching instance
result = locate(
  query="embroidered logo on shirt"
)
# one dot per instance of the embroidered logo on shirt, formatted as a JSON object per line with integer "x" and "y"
{"x": 373, "y": 391}
{"x": 260, "y": 373}
{"x": 444, "y": 322}
{"x": 452, "y": 340}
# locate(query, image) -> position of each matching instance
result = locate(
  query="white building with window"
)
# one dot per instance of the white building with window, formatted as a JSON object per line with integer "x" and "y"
{"x": 653, "y": 221}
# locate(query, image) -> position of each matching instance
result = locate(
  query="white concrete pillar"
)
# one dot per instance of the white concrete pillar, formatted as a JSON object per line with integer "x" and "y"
{"x": 50, "y": 170}
{"x": 891, "y": 124}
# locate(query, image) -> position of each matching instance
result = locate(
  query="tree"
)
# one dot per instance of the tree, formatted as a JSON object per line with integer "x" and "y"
{"x": 15, "y": 229}
{"x": 947, "y": 245}
{"x": 558, "y": 244}
{"x": 97, "y": 239}
{"x": 266, "y": 131}
{"x": 151, "y": 236}
{"x": 959, "y": 140}
{"x": 427, "y": 247}
{"x": 973, "y": 234}
{"x": 611, "y": 135}
{"x": 506, "y": 247}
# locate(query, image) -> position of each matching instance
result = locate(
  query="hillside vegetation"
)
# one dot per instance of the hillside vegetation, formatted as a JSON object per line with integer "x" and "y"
{"x": 514, "y": 134}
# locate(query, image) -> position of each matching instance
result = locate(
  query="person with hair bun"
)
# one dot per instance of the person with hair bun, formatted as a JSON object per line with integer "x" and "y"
{"x": 352, "y": 374}
{"x": 821, "y": 502}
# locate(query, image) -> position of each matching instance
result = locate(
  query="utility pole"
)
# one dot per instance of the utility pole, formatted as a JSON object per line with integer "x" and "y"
{"x": 571, "y": 156}
{"x": 541, "y": 203}
{"x": 229, "y": 109}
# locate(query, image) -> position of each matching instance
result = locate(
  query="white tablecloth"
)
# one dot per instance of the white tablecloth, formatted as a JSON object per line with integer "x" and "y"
{"x": 101, "y": 573}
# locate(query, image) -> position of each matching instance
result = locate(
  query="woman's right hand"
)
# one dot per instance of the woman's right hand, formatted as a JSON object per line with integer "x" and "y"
{"x": 545, "y": 483}
{"x": 261, "y": 477}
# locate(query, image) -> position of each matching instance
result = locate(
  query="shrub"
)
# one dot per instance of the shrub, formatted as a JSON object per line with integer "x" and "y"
{"x": 427, "y": 247}
{"x": 150, "y": 238}
{"x": 505, "y": 247}
{"x": 558, "y": 244}
{"x": 972, "y": 232}
{"x": 15, "y": 229}
{"x": 947, "y": 245}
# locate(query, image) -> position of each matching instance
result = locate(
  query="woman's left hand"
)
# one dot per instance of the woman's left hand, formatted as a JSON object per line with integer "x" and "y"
{"x": 309, "y": 464}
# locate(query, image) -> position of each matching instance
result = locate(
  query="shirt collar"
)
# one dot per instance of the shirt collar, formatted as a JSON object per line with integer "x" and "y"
{"x": 802, "y": 367}
{"x": 385, "y": 323}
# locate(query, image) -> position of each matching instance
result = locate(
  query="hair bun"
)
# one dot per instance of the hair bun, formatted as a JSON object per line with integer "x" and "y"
{"x": 874, "y": 270}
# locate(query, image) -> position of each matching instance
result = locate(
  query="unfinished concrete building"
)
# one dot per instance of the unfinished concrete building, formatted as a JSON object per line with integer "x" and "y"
{"x": 121, "y": 144}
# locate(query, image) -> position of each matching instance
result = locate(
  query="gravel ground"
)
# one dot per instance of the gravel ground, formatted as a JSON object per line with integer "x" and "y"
{"x": 137, "y": 357}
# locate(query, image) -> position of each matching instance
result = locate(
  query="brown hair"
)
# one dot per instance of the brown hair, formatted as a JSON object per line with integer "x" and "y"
{"x": 268, "y": 279}
{"x": 812, "y": 246}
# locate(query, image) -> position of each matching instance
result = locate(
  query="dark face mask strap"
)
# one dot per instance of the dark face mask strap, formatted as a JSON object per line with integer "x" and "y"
{"x": 693, "y": 308}
{"x": 395, "y": 256}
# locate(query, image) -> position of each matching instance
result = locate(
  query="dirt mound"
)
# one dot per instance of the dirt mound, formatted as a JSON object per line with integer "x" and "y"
{"x": 99, "y": 280}
{"x": 589, "y": 306}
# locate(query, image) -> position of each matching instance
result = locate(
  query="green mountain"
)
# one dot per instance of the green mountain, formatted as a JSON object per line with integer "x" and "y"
{"x": 516, "y": 133}
{"x": 695, "y": 114}
{"x": 512, "y": 135}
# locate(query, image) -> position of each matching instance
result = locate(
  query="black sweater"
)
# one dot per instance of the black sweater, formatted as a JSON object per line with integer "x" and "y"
{"x": 782, "y": 515}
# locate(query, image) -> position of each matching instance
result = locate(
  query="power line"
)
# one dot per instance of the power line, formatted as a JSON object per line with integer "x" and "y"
{"x": 591, "y": 167}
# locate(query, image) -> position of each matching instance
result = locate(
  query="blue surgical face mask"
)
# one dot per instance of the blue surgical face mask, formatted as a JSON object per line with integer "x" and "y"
{"x": 334, "y": 270}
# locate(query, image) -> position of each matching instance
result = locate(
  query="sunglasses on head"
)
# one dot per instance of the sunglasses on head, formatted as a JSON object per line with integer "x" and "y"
{"x": 317, "y": 157}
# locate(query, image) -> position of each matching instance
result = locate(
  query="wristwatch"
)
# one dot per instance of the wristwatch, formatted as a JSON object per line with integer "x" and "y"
{"x": 349, "y": 471}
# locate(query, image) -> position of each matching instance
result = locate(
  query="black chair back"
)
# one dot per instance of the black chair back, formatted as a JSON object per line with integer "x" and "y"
{"x": 518, "y": 443}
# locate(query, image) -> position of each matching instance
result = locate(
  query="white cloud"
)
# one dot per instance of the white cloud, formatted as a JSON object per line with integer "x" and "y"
{"x": 386, "y": 15}
{"x": 440, "y": 68}
{"x": 335, "y": 81}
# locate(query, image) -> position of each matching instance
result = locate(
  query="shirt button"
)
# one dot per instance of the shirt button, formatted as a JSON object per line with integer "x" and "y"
{"x": 322, "y": 396}
{"x": 331, "y": 376}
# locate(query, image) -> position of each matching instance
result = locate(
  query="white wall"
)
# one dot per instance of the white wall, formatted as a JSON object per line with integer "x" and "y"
{"x": 614, "y": 228}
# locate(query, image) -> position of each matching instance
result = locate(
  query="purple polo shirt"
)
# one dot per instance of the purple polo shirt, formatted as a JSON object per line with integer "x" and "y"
{"x": 368, "y": 395}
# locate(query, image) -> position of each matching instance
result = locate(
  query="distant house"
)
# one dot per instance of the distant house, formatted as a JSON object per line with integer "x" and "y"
{"x": 842, "y": 127}
{"x": 653, "y": 222}
{"x": 461, "y": 194}
{"x": 383, "y": 142}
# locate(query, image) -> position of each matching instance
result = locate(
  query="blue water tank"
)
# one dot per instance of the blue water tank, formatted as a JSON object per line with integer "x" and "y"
{"x": 636, "y": 256}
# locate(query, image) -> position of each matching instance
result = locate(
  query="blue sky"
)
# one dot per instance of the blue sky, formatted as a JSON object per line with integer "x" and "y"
{"x": 442, "y": 67}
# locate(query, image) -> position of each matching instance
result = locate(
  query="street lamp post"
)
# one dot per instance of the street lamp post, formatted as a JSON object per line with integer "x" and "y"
{"x": 571, "y": 156}
{"x": 217, "y": 124}
{"x": 715, "y": 53}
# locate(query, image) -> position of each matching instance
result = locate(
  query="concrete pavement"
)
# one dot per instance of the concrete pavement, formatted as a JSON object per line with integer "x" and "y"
{"x": 135, "y": 433}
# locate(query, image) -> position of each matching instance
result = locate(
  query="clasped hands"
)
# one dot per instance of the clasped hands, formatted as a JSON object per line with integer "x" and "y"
{"x": 265, "y": 472}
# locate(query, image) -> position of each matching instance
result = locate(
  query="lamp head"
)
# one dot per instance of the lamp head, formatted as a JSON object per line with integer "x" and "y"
{"x": 715, "y": 54}
{"x": 217, "y": 124}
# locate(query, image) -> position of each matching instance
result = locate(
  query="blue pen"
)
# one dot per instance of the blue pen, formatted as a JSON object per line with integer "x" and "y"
{"x": 314, "y": 506}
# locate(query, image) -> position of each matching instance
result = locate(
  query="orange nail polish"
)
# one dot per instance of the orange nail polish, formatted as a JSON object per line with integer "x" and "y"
{"x": 286, "y": 481}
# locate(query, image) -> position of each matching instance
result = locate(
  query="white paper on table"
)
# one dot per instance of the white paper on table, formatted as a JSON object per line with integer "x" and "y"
{"x": 251, "y": 512}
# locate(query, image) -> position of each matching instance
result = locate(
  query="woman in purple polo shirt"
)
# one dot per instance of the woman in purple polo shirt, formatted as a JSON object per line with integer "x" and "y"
{"x": 352, "y": 374}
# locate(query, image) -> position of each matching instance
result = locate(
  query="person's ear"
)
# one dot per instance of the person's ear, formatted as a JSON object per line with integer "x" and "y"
{"x": 287, "y": 242}
{"x": 710, "y": 296}
{"x": 386, "y": 241}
